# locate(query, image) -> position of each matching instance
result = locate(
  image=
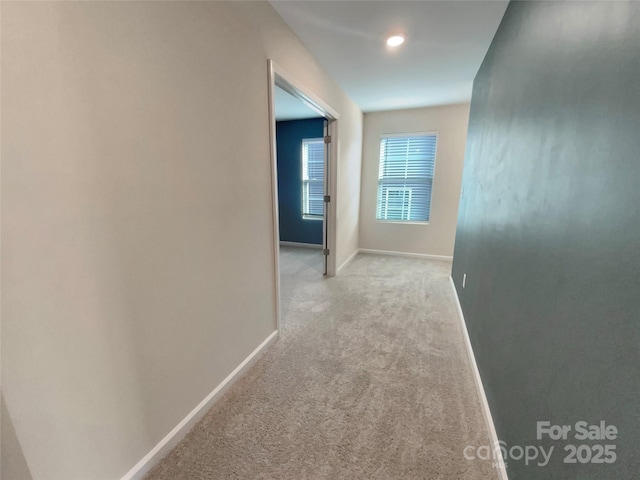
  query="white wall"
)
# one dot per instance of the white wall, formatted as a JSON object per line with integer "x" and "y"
{"x": 438, "y": 237}
{"x": 133, "y": 281}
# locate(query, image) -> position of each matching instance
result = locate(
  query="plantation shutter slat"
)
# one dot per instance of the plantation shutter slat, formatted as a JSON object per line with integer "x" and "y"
{"x": 313, "y": 178}
{"x": 405, "y": 179}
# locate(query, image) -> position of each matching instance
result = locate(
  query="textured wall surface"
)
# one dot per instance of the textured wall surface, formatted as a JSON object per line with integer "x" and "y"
{"x": 549, "y": 227}
{"x": 289, "y": 136}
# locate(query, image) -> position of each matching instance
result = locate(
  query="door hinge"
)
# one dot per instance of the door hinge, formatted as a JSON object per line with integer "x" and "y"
{"x": 327, "y": 198}
{"x": 326, "y": 251}
{"x": 327, "y": 139}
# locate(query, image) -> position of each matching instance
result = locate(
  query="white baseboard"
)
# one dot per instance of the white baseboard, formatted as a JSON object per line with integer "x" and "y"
{"x": 348, "y": 261}
{"x": 301, "y": 245}
{"x": 407, "y": 254}
{"x": 392, "y": 253}
{"x": 486, "y": 411}
{"x": 174, "y": 436}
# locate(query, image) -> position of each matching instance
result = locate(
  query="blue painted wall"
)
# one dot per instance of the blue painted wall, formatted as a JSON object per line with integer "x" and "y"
{"x": 289, "y": 136}
{"x": 549, "y": 231}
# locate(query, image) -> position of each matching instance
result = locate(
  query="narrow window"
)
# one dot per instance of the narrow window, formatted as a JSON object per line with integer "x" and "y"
{"x": 405, "y": 178}
{"x": 313, "y": 179}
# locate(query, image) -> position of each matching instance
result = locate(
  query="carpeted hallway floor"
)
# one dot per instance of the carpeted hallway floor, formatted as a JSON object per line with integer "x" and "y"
{"x": 369, "y": 380}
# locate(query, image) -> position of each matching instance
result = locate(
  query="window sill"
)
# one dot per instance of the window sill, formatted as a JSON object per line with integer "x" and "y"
{"x": 403, "y": 222}
{"x": 309, "y": 217}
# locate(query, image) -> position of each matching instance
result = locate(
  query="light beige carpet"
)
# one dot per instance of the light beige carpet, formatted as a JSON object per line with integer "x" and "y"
{"x": 369, "y": 380}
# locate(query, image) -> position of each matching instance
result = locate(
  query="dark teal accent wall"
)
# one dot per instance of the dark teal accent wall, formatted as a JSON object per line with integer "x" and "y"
{"x": 289, "y": 136}
{"x": 549, "y": 229}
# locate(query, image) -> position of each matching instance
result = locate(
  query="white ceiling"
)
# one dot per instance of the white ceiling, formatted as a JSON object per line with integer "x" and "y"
{"x": 289, "y": 107}
{"x": 446, "y": 43}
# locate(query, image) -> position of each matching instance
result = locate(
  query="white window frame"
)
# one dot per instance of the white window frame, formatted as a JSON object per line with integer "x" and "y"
{"x": 306, "y": 182}
{"x": 378, "y": 199}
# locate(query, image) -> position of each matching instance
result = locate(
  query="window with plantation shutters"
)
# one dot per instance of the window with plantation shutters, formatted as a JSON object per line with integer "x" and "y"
{"x": 313, "y": 178}
{"x": 405, "y": 178}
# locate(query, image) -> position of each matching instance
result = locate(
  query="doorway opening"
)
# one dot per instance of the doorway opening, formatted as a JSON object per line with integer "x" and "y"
{"x": 300, "y": 159}
{"x": 303, "y": 196}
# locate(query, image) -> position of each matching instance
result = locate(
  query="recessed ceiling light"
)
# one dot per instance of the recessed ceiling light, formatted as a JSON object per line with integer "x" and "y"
{"x": 395, "y": 40}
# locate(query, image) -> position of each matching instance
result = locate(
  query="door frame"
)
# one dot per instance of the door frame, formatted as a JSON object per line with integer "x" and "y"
{"x": 278, "y": 77}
